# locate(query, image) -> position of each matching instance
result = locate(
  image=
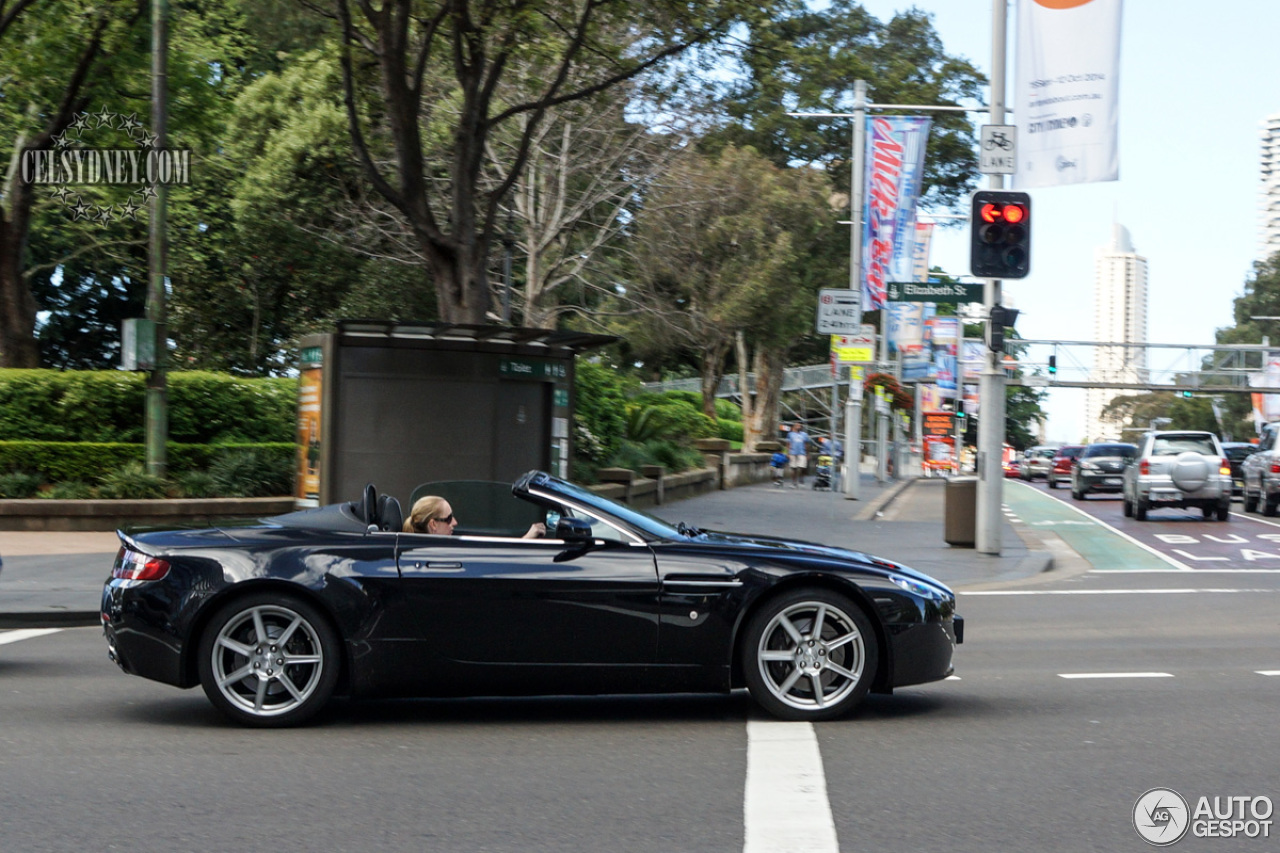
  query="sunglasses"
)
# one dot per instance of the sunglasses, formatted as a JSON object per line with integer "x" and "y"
{"x": 446, "y": 520}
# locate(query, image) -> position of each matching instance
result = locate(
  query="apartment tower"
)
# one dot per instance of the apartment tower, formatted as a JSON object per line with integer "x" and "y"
{"x": 1120, "y": 316}
{"x": 1269, "y": 192}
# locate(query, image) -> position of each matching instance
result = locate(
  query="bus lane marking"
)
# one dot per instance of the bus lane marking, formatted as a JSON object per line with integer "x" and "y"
{"x": 786, "y": 808}
{"x": 25, "y": 634}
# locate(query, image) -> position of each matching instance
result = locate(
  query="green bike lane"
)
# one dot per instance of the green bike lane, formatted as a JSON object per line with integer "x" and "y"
{"x": 1104, "y": 547}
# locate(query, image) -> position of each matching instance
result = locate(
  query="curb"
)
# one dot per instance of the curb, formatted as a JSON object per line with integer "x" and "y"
{"x": 882, "y": 500}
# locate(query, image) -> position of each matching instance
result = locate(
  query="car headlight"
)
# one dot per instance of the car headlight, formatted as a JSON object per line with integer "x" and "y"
{"x": 923, "y": 590}
{"x": 1089, "y": 466}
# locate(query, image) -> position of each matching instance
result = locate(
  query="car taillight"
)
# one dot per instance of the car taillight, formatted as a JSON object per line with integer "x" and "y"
{"x": 1144, "y": 467}
{"x": 135, "y": 566}
{"x": 1275, "y": 467}
{"x": 1224, "y": 467}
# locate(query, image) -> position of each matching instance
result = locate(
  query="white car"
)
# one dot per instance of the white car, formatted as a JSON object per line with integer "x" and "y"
{"x": 1175, "y": 469}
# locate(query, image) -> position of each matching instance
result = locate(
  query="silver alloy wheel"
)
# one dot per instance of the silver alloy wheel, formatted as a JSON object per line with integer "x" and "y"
{"x": 267, "y": 660}
{"x": 811, "y": 655}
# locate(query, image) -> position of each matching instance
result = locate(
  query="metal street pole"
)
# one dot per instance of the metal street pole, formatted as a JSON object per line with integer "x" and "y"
{"x": 157, "y": 414}
{"x": 991, "y": 391}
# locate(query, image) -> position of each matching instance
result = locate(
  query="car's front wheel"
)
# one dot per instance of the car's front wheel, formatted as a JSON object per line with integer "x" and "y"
{"x": 1250, "y": 500}
{"x": 809, "y": 654}
{"x": 269, "y": 660}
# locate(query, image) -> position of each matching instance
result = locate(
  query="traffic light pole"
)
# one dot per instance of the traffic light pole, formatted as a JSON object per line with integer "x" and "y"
{"x": 991, "y": 388}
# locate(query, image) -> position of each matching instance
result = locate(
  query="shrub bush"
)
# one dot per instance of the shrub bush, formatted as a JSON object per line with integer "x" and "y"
{"x": 74, "y": 490}
{"x": 109, "y": 406}
{"x": 197, "y": 484}
{"x": 250, "y": 474}
{"x": 61, "y": 462}
{"x": 600, "y": 412}
{"x": 19, "y": 485}
{"x": 132, "y": 482}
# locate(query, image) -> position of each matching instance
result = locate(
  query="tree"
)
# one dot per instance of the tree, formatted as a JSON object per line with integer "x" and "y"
{"x": 50, "y": 78}
{"x": 440, "y": 66}
{"x": 720, "y": 247}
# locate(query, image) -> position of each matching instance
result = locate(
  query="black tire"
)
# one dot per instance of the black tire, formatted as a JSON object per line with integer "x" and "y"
{"x": 1128, "y": 508}
{"x": 1053, "y": 484}
{"x": 1224, "y": 510}
{"x": 1269, "y": 503}
{"x": 781, "y": 673}
{"x": 1250, "y": 501}
{"x": 301, "y": 672}
{"x": 1140, "y": 510}
{"x": 1208, "y": 512}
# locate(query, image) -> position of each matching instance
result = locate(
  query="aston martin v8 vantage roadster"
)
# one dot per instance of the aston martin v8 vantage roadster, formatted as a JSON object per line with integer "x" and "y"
{"x": 274, "y": 618}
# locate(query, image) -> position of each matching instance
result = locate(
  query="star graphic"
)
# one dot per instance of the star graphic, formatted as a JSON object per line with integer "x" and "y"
{"x": 80, "y": 211}
{"x": 130, "y": 121}
{"x": 149, "y": 141}
{"x": 62, "y": 192}
{"x": 130, "y": 209}
{"x": 105, "y": 119}
{"x": 81, "y": 122}
{"x": 148, "y": 191}
{"x": 104, "y": 214}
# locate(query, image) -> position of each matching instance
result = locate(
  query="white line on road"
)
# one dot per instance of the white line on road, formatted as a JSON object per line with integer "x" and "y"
{"x": 1197, "y": 571}
{"x": 1267, "y": 671}
{"x": 1115, "y": 675}
{"x": 1102, "y": 591}
{"x": 786, "y": 809}
{"x": 25, "y": 634}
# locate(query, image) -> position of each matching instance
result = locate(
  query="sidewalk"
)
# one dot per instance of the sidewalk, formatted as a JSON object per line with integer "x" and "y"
{"x": 55, "y": 579}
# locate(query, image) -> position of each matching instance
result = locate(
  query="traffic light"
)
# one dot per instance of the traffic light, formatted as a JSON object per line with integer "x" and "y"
{"x": 1053, "y": 365}
{"x": 1000, "y": 318}
{"x": 1186, "y": 395}
{"x": 1000, "y": 234}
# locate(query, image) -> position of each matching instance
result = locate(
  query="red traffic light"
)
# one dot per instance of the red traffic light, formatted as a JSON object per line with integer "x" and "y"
{"x": 1010, "y": 213}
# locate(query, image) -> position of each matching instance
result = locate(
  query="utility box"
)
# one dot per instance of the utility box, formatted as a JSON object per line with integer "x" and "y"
{"x": 961, "y": 512}
{"x": 399, "y": 404}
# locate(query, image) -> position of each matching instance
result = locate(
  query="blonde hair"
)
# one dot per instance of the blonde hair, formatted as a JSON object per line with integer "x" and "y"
{"x": 424, "y": 509}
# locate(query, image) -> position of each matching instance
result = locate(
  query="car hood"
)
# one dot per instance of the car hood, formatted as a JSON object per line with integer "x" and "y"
{"x": 797, "y": 548}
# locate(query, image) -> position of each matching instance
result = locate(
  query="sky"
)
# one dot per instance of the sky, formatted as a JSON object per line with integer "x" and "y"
{"x": 1196, "y": 81}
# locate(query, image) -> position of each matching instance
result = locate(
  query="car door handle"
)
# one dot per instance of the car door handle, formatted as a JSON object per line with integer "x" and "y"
{"x": 438, "y": 567}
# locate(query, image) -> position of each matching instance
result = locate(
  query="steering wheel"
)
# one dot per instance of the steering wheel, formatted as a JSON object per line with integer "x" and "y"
{"x": 369, "y": 508}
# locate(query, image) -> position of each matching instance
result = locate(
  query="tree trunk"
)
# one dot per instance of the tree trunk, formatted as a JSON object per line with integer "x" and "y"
{"x": 712, "y": 372}
{"x": 749, "y": 439}
{"x": 17, "y": 305}
{"x": 768, "y": 365}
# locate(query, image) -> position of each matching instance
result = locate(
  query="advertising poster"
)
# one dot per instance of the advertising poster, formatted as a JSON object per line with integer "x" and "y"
{"x": 930, "y": 398}
{"x": 893, "y": 177}
{"x": 309, "y": 440}
{"x": 910, "y": 328}
{"x": 920, "y": 260}
{"x": 946, "y": 343}
{"x": 1067, "y": 92}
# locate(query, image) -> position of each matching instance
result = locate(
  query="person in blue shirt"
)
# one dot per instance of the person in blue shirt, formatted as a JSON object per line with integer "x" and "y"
{"x": 798, "y": 449}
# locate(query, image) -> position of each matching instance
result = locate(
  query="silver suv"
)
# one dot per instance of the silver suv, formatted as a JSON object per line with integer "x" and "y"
{"x": 1181, "y": 468}
{"x": 1262, "y": 473}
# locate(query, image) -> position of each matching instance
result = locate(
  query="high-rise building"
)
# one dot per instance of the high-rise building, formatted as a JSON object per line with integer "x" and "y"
{"x": 1269, "y": 192}
{"x": 1120, "y": 317}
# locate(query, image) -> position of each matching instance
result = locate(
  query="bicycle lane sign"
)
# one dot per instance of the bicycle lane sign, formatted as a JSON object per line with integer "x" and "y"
{"x": 998, "y": 149}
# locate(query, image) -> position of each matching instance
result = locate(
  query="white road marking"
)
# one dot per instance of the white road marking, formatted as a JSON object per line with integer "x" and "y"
{"x": 1115, "y": 675}
{"x": 1267, "y": 671}
{"x": 1177, "y": 565}
{"x": 1197, "y": 571}
{"x": 786, "y": 809}
{"x": 1103, "y": 591}
{"x": 25, "y": 634}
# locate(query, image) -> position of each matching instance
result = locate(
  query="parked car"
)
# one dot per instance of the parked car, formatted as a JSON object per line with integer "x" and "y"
{"x": 1012, "y": 468}
{"x": 273, "y": 619}
{"x": 1261, "y": 472}
{"x": 1237, "y": 452}
{"x": 1178, "y": 468}
{"x": 1100, "y": 468}
{"x": 1061, "y": 464}
{"x": 1036, "y": 462}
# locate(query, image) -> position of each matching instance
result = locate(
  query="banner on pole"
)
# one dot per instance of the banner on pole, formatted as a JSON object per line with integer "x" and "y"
{"x": 894, "y": 173}
{"x": 1067, "y": 94}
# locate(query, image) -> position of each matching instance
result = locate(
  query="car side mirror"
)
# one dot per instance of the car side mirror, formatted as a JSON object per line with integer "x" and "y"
{"x": 577, "y": 530}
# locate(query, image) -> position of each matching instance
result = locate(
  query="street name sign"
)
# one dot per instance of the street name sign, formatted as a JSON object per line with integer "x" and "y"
{"x": 839, "y": 311}
{"x": 933, "y": 291}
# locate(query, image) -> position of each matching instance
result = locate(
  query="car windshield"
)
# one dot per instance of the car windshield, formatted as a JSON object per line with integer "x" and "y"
{"x": 1235, "y": 454}
{"x": 1125, "y": 450}
{"x": 639, "y": 520}
{"x": 1172, "y": 445}
{"x": 1070, "y": 452}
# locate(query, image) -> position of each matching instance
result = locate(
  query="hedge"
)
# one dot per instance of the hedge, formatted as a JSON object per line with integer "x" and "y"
{"x": 109, "y": 406}
{"x": 85, "y": 461}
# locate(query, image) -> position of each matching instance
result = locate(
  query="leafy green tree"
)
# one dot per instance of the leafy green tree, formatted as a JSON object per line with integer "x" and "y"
{"x": 439, "y": 68}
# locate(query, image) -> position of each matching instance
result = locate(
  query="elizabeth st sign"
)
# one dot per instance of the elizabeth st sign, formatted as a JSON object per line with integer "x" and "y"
{"x": 933, "y": 291}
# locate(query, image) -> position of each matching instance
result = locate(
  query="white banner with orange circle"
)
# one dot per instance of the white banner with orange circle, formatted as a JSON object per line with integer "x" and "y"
{"x": 1067, "y": 92}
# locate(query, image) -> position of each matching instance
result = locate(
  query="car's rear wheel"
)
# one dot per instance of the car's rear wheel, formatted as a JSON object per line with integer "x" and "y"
{"x": 1140, "y": 510}
{"x": 269, "y": 660}
{"x": 1224, "y": 510}
{"x": 1250, "y": 501}
{"x": 1053, "y": 484}
{"x": 1269, "y": 504}
{"x": 1128, "y": 508}
{"x": 809, "y": 654}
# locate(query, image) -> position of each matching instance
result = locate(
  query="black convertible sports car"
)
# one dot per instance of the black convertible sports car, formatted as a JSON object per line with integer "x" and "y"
{"x": 275, "y": 618}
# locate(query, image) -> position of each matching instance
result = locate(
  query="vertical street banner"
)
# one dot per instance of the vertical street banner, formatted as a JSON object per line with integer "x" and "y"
{"x": 894, "y": 173}
{"x": 920, "y": 259}
{"x": 946, "y": 344}
{"x": 1067, "y": 92}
